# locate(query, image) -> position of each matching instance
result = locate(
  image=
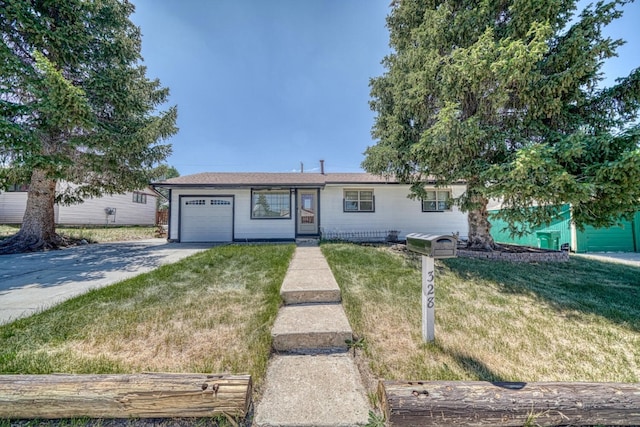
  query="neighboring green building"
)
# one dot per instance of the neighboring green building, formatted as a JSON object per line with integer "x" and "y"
{"x": 622, "y": 238}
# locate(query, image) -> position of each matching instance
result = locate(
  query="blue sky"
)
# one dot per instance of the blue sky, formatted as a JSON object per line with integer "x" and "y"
{"x": 262, "y": 86}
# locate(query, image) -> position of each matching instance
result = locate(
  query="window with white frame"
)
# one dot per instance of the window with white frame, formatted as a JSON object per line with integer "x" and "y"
{"x": 437, "y": 201}
{"x": 359, "y": 200}
{"x": 270, "y": 204}
{"x": 139, "y": 197}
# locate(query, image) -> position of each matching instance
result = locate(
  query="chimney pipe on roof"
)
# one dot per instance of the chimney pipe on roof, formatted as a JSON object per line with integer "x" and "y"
{"x": 301, "y": 167}
{"x": 322, "y": 167}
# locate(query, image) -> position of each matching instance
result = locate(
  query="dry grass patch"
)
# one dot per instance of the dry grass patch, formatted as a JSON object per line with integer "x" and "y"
{"x": 108, "y": 234}
{"x": 211, "y": 312}
{"x": 94, "y": 234}
{"x": 577, "y": 321}
{"x": 169, "y": 343}
{"x": 8, "y": 230}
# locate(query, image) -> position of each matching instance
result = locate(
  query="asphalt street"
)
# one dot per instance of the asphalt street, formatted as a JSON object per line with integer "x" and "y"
{"x": 35, "y": 281}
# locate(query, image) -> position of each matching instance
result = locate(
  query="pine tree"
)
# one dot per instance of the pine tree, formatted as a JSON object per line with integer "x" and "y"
{"x": 505, "y": 96}
{"x": 75, "y": 107}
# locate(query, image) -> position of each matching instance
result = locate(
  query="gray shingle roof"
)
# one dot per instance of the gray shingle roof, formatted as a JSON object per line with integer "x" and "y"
{"x": 289, "y": 178}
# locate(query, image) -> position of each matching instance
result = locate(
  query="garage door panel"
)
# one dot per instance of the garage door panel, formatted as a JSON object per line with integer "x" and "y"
{"x": 612, "y": 239}
{"x": 206, "y": 219}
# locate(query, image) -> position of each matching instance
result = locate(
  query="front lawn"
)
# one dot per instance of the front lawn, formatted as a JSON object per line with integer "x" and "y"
{"x": 212, "y": 312}
{"x": 496, "y": 321}
{"x": 209, "y": 313}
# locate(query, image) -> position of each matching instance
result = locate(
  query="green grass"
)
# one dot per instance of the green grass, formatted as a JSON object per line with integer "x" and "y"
{"x": 211, "y": 312}
{"x": 575, "y": 321}
{"x": 94, "y": 234}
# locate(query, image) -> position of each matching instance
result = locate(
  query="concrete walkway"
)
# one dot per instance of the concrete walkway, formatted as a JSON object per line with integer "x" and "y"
{"x": 34, "y": 281}
{"x": 312, "y": 380}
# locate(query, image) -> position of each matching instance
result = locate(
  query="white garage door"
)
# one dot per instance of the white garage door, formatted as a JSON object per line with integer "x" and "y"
{"x": 206, "y": 219}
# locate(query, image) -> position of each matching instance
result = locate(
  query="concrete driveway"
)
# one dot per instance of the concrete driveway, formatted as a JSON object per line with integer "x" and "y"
{"x": 628, "y": 258}
{"x": 35, "y": 281}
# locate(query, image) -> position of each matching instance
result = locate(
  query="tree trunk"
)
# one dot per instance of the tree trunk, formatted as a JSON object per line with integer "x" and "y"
{"x": 479, "y": 225}
{"x": 38, "y": 224}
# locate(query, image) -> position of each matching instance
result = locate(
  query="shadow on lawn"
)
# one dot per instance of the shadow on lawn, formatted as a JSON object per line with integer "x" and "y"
{"x": 474, "y": 367}
{"x": 594, "y": 287}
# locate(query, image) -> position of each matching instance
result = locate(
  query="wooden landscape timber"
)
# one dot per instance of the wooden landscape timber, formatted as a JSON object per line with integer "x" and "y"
{"x": 479, "y": 403}
{"x": 149, "y": 395}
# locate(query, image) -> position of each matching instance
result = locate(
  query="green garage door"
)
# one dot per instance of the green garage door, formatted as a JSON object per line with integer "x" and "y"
{"x": 612, "y": 239}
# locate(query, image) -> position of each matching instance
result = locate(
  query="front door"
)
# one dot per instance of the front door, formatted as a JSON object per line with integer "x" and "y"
{"x": 307, "y": 212}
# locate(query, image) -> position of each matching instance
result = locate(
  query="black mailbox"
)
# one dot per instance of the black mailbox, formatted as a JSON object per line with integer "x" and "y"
{"x": 433, "y": 245}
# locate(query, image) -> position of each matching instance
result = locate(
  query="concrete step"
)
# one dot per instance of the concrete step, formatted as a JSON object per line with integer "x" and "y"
{"x": 310, "y": 328}
{"x": 307, "y": 241}
{"x": 303, "y": 286}
{"x": 320, "y": 390}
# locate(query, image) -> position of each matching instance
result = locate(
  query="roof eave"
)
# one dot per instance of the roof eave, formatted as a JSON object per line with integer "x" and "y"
{"x": 255, "y": 185}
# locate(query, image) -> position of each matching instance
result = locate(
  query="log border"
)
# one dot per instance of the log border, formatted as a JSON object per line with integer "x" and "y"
{"x": 478, "y": 403}
{"x": 146, "y": 395}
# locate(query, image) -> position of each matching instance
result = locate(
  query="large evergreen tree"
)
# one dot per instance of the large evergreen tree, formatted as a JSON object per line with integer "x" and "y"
{"x": 505, "y": 95}
{"x": 75, "y": 107}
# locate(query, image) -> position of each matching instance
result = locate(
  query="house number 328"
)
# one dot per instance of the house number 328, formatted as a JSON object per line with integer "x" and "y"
{"x": 428, "y": 298}
{"x": 430, "y": 290}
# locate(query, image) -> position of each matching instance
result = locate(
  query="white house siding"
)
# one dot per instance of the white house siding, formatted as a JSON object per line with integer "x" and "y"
{"x": 393, "y": 211}
{"x": 245, "y": 228}
{"x": 12, "y": 207}
{"x": 91, "y": 212}
{"x": 127, "y": 212}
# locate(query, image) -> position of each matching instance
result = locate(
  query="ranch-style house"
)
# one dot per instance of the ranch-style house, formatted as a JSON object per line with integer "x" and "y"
{"x": 238, "y": 207}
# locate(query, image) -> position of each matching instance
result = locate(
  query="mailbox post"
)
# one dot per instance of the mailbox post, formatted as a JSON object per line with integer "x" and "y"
{"x": 431, "y": 246}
